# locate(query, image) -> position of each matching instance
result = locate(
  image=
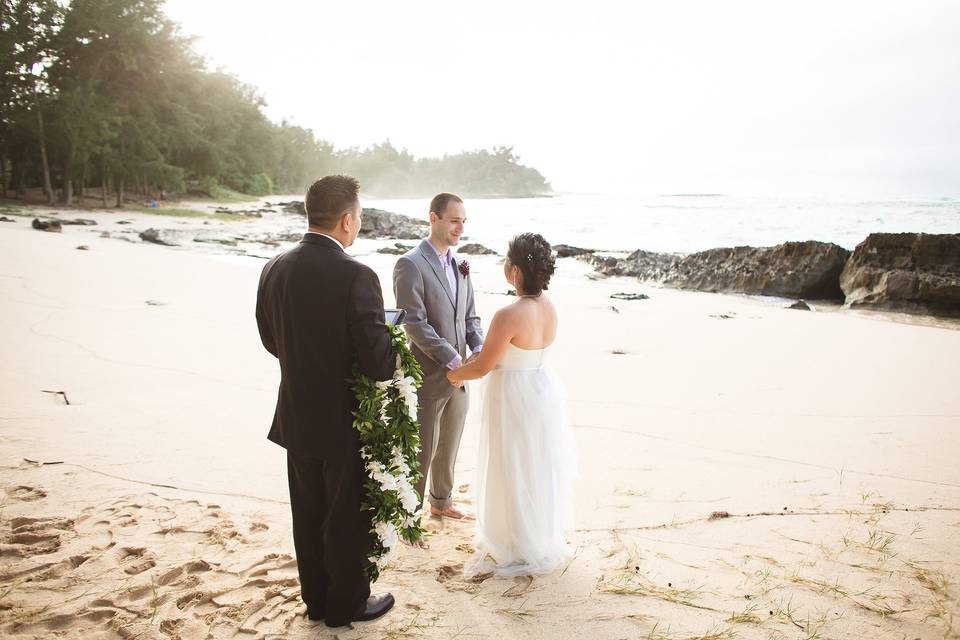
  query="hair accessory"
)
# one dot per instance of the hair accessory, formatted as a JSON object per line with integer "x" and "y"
{"x": 529, "y": 257}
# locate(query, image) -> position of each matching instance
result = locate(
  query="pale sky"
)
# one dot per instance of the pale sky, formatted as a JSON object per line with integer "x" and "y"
{"x": 857, "y": 98}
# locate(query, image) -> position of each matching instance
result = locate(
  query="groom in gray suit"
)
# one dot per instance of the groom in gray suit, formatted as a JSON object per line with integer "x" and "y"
{"x": 437, "y": 293}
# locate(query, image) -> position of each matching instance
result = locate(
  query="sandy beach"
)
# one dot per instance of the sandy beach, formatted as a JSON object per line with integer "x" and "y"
{"x": 746, "y": 471}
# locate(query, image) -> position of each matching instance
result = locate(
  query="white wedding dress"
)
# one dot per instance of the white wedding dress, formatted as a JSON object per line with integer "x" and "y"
{"x": 526, "y": 467}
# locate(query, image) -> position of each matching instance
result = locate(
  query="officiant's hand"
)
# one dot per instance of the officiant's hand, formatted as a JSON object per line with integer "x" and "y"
{"x": 454, "y": 381}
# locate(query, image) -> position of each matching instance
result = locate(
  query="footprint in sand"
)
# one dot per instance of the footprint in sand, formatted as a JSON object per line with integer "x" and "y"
{"x": 451, "y": 577}
{"x": 198, "y": 566}
{"x": 270, "y": 562}
{"x": 135, "y": 560}
{"x": 171, "y": 576}
{"x": 113, "y": 582}
{"x": 182, "y": 575}
{"x": 98, "y": 534}
{"x": 66, "y": 620}
{"x": 24, "y": 524}
{"x": 64, "y": 567}
{"x": 446, "y": 572}
{"x": 49, "y": 570}
{"x": 521, "y": 585}
{"x": 125, "y": 519}
{"x": 25, "y": 493}
{"x": 193, "y": 598}
{"x": 183, "y": 628}
{"x": 34, "y": 536}
{"x": 172, "y": 627}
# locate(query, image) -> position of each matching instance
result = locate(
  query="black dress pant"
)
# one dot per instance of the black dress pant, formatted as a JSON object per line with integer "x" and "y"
{"x": 331, "y": 534}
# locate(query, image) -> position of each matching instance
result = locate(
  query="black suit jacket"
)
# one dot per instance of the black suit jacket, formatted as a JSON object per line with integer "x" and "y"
{"x": 319, "y": 311}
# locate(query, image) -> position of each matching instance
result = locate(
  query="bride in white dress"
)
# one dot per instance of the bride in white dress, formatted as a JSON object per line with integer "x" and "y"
{"x": 527, "y": 456}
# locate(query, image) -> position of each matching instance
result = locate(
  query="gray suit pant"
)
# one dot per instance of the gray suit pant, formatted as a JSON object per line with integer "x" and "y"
{"x": 441, "y": 425}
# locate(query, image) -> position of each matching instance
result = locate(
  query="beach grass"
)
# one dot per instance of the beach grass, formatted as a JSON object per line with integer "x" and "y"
{"x": 747, "y": 616}
{"x": 176, "y": 212}
{"x": 180, "y": 212}
{"x": 712, "y": 634}
{"x": 225, "y": 194}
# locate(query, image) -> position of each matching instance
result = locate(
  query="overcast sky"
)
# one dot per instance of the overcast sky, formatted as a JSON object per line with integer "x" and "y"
{"x": 802, "y": 98}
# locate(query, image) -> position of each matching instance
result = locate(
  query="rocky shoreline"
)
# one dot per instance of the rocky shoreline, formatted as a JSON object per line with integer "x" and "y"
{"x": 902, "y": 272}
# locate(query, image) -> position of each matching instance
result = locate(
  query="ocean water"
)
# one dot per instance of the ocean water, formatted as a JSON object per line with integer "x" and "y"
{"x": 685, "y": 223}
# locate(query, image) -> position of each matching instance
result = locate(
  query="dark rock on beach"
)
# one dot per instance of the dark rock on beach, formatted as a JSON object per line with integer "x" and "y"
{"x": 791, "y": 270}
{"x": 800, "y": 305}
{"x": 908, "y": 272}
{"x": 53, "y": 226}
{"x": 567, "y": 251}
{"x": 295, "y": 207}
{"x": 378, "y": 223}
{"x": 396, "y": 250}
{"x": 227, "y": 242}
{"x": 644, "y": 265}
{"x": 476, "y": 250}
{"x": 630, "y": 296}
{"x": 84, "y": 222}
{"x": 649, "y": 264}
{"x": 6, "y": 219}
{"x": 243, "y": 213}
{"x": 274, "y": 239}
{"x": 154, "y": 236}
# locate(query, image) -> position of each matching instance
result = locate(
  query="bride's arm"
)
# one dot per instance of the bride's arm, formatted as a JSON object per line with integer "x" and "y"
{"x": 494, "y": 346}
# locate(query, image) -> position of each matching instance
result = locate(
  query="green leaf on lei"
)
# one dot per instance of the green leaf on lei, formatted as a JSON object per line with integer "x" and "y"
{"x": 386, "y": 428}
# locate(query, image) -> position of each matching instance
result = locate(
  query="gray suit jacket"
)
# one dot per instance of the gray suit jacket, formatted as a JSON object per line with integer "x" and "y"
{"x": 440, "y": 323}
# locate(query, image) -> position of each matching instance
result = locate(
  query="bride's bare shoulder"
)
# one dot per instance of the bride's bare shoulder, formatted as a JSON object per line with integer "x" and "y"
{"x": 510, "y": 315}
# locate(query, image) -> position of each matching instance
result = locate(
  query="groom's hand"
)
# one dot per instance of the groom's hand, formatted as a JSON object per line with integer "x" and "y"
{"x": 454, "y": 382}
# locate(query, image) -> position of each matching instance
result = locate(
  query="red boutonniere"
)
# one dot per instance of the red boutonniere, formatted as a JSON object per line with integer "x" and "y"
{"x": 464, "y": 267}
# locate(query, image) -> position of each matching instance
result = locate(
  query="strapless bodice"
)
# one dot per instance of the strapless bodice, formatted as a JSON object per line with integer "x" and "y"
{"x": 522, "y": 359}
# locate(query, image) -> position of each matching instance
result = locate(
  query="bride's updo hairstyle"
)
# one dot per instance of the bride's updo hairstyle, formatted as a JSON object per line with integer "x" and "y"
{"x": 534, "y": 257}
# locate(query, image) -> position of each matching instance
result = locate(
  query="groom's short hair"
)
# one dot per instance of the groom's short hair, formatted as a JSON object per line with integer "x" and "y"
{"x": 440, "y": 201}
{"x": 328, "y": 198}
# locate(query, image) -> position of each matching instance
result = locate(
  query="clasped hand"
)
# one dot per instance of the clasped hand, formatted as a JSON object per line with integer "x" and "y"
{"x": 453, "y": 381}
{"x": 460, "y": 383}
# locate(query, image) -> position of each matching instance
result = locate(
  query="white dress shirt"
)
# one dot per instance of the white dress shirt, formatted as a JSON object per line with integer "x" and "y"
{"x": 317, "y": 233}
{"x": 449, "y": 270}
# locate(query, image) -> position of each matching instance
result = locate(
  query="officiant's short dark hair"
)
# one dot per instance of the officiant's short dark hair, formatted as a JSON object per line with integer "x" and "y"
{"x": 440, "y": 201}
{"x": 533, "y": 254}
{"x": 328, "y": 198}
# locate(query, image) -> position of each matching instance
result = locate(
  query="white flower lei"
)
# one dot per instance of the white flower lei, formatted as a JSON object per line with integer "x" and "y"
{"x": 386, "y": 421}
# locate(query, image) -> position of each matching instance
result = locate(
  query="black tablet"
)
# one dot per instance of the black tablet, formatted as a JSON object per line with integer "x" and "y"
{"x": 395, "y": 316}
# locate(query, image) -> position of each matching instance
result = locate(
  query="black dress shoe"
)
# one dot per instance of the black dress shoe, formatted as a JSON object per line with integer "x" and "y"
{"x": 375, "y": 607}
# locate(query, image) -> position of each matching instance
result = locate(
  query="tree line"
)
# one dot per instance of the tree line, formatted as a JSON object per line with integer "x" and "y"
{"x": 108, "y": 97}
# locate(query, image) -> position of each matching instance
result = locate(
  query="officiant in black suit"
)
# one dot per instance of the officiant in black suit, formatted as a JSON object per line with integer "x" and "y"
{"x": 319, "y": 311}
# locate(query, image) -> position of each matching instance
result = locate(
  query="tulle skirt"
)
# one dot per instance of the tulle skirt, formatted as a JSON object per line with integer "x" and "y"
{"x": 527, "y": 465}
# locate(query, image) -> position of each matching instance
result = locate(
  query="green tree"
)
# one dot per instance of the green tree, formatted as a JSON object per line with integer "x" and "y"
{"x": 27, "y": 32}
{"x": 109, "y": 92}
